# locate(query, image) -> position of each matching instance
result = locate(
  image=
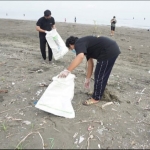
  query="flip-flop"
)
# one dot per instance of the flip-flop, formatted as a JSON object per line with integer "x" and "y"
{"x": 89, "y": 102}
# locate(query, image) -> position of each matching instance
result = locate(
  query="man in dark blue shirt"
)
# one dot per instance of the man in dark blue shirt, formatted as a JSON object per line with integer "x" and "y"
{"x": 104, "y": 50}
{"x": 44, "y": 25}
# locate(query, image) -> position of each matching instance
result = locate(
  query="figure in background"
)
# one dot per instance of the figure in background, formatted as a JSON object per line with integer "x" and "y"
{"x": 113, "y": 25}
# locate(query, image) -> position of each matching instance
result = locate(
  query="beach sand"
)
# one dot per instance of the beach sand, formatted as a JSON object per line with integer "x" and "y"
{"x": 123, "y": 124}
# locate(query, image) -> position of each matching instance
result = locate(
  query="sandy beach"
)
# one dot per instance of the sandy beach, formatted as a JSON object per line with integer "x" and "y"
{"x": 124, "y": 124}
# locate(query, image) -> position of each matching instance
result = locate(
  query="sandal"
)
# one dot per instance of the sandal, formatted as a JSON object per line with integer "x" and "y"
{"x": 89, "y": 102}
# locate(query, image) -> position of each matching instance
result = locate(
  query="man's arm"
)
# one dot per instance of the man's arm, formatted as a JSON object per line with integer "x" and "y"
{"x": 54, "y": 27}
{"x": 90, "y": 68}
{"x": 39, "y": 29}
{"x": 79, "y": 58}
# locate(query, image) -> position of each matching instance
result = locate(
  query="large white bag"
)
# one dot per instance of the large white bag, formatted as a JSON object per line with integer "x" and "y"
{"x": 56, "y": 43}
{"x": 58, "y": 96}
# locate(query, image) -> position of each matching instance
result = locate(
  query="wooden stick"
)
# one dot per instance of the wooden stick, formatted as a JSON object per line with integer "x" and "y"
{"x": 41, "y": 139}
{"x": 88, "y": 142}
{"x": 4, "y": 111}
{"x": 24, "y": 139}
{"x": 27, "y": 136}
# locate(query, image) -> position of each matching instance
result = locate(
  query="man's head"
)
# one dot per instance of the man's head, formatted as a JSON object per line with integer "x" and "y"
{"x": 47, "y": 14}
{"x": 114, "y": 17}
{"x": 70, "y": 42}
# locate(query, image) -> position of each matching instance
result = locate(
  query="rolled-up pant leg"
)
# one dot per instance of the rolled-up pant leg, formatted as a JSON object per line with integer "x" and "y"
{"x": 102, "y": 73}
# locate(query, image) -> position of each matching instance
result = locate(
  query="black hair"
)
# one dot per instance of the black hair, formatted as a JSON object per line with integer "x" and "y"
{"x": 71, "y": 40}
{"x": 47, "y": 13}
{"x": 114, "y": 17}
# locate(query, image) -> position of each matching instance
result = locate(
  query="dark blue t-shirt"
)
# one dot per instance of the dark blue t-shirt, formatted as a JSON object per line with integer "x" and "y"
{"x": 100, "y": 48}
{"x": 45, "y": 24}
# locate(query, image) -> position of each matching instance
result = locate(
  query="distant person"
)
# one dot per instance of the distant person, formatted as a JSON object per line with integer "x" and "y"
{"x": 104, "y": 50}
{"x": 24, "y": 14}
{"x": 133, "y": 17}
{"x": 6, "y": 14}
{"x": 44, "y": 25}
{"x": 75, "y": 19}
{"x": 113, "y": 25}
{"x": 65, "y": 19}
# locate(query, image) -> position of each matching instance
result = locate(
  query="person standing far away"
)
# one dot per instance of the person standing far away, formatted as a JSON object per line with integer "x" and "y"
{"x": 75, "y": 19}
{"x": 113, "y": 24}
{"x": 44, "y": 25}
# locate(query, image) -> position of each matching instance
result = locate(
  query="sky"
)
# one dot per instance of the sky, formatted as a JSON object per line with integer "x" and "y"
{"x": 83, "y": 10}
{"x": 105, "y": 5}
{"x": 127, "y": 6}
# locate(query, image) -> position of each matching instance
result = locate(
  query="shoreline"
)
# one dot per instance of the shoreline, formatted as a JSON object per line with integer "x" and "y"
{"x": 101, "y": 25}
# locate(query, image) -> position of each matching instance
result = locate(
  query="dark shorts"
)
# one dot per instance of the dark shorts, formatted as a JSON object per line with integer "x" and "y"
{"x": 112, "y": 28}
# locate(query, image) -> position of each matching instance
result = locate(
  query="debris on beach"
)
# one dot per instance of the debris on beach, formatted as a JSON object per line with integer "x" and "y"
{"x": 3, "y": 91}
{"x": 75, "y": 134}
{"x": 81, "y": 139}
{"x": 26, "y": 122}
{"x": 100, "y": 131}
{"x": 13, "y": 83}
{"x": 90, "y": 128}
{"x": 130, "y": 48}
{"x": 39, "y": 71}
{"x": 38, "y": 92}
{"x": 43, "y": 85}
{"x": 109, "y": 103}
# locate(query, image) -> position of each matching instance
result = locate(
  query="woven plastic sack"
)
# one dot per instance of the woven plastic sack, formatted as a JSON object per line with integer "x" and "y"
{"x": 58, "y": 96}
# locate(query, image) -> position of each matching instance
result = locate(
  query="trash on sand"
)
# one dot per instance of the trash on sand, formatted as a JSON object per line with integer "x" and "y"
{"x": 75, "y": 134}
{"x": 76, "y": 141}
{"x": 91, "y": 136}
{"x": 148, "y": 71}
{"x": 141, "y": 91}
{"x": 100, "y": 131}
{"x": 35, "y": 102}
{"x": 27, "y": 122}
{"x": 81, "y": 139}
{"x": 43, "y": 85}
{"x": 13, "y": 83}
{"x": 130, "y": 48}
{"x": 39, "y": 71}
{"x": 38, "y": 92}
{"x": 109, "y": 103}
{"x": 90, "y": 128}
{"x": 99, "y": 146}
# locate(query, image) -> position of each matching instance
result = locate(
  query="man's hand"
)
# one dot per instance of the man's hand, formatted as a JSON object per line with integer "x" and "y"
{"x": 64, "y": 74}
{"x": 87, "y": 83}
{"x": 47, "y": 32}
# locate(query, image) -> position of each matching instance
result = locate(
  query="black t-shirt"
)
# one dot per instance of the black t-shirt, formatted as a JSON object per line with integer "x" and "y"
{"x": 100, "y": 48}
{"x": 45, "y": 24}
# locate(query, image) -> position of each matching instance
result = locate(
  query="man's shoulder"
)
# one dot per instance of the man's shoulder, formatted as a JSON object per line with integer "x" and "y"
{"x": 52, "y": 18}
{"x": 40, "y": 19}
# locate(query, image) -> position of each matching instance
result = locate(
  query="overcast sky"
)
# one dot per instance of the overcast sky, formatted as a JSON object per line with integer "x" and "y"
{"x": 143, "y": 6}
{"x": 83, "y": 9}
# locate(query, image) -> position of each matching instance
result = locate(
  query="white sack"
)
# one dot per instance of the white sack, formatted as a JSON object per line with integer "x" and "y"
{"x": 58, "y": 96}
{"x": 56, "y": 43}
